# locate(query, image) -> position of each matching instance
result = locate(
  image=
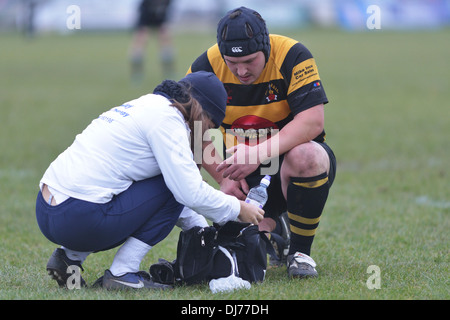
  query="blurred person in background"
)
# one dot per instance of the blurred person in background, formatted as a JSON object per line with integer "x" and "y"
{"x": 273, "y": 82}
{"x": 29, "y": 27}
{"x": 152, "y": 16}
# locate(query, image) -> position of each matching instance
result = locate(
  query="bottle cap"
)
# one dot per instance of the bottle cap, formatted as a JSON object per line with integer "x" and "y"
{"x": 266, "y": 181}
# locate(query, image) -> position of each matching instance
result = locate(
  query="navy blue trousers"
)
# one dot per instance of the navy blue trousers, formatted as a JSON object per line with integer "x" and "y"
{"x": 147, "y": 210}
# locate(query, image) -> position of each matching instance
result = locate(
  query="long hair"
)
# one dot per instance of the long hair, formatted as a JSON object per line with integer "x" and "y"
{"x": 190, "y": 108}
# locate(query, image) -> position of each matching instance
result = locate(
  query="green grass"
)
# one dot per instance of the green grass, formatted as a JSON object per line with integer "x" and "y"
{"x": 387, "y": 122}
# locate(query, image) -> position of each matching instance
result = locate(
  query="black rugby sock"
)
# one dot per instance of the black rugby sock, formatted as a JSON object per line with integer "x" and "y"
{"x": 306, "y": 198}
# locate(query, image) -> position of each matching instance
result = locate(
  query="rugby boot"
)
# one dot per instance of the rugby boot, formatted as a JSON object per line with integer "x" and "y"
{"x": 300, "y": 265}
{"x": 281, "y": 240}
{"x": 58, "y": 268}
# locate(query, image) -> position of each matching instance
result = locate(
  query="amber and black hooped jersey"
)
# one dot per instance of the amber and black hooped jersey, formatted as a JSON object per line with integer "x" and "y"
{"x": 288, "y": 85}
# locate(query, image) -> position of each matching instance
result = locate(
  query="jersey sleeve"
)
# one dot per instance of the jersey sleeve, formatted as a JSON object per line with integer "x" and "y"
{"x": 201, "y": 64}
{"x": 305, "y": 89}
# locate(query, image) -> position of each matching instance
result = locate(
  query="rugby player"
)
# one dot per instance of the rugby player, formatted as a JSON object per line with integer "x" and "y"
{"x": 275, "y": 112}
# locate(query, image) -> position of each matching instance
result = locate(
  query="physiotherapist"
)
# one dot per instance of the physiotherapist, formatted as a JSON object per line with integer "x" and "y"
{"x": 128, "y": 176}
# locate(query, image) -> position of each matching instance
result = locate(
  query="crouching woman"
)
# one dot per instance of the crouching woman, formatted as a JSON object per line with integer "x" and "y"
{"x": 127, "y": 177}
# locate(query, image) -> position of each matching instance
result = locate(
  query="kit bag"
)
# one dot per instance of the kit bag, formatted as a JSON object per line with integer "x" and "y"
{"x": 205, "y": 253}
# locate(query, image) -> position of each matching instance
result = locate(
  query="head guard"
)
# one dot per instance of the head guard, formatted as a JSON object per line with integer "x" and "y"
{"x": 241, "y": 32}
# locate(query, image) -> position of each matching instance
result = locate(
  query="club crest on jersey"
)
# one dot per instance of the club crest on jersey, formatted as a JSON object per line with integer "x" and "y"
{"x": 271, "y": 93}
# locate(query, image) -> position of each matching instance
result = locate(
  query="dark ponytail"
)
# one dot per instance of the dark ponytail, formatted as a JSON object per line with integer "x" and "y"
{"x": 173, "y": 91}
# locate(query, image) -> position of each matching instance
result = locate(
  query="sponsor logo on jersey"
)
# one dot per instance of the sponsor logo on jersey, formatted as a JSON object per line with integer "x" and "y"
{"x": 252, "y": 129}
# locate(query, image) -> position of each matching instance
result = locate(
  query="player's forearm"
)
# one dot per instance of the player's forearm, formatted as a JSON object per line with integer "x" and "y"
{"x": 303, "y": 128}
{"x": 211, "y": 169}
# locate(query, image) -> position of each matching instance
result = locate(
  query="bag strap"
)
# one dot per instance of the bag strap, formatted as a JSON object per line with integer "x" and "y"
{"x": 232, "y": 257}
{"x": 229, "y": 231}
{"x": 269, "y": 247}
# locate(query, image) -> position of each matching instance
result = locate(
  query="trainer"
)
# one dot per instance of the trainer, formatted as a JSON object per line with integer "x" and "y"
{"x": 273, "y": 84}
{"x": 127, "y": 177}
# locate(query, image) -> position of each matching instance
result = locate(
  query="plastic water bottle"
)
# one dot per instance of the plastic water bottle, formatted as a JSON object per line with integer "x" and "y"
{"x": 258, "y": 195}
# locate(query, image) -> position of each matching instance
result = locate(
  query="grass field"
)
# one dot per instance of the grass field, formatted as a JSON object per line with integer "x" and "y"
{"x": 387, "y": 121}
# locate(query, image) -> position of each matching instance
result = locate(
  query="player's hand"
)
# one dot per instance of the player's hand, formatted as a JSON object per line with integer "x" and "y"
{"x": 243, "y": 161}
{"x": 239, "y": 189}
{"x": 250, "y": 213}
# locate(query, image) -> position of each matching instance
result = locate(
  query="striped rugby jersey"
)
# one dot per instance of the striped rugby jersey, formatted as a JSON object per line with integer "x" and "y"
{"x": 288, "y": 85}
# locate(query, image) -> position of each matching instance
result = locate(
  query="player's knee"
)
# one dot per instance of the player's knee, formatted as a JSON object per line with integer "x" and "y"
{"x": 305, "y": 160}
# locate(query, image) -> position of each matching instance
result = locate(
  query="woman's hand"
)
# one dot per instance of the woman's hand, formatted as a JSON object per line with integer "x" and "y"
{"x": 250, "y": 213}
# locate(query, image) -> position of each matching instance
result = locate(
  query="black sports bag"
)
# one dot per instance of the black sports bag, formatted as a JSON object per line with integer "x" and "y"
{"x": 199, "y": 258}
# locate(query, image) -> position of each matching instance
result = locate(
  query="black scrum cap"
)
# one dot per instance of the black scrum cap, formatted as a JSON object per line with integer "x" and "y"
{"x": 241, "y": 32}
